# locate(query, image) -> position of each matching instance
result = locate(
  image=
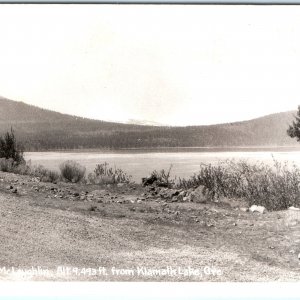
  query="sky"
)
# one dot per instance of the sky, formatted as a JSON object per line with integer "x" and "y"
{"x": 174, "y": 65}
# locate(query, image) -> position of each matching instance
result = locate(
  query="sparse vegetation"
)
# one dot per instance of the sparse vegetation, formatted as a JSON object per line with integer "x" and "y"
{"x": 103, "y": 174}
{"x": 7, "y": 164}
{"x": 275, "y": 187}
{"x": 44, "y": 174}
{"x": 72, "y": 171}
{"x": 160, "y": 178}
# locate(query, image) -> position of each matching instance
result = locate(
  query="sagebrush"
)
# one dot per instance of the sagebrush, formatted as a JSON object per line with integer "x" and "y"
{"x": 72, "y": 171}
{"x": 104, "y": 174}
{"x": 25, "y": 168}
{"x": 274, "y": 186}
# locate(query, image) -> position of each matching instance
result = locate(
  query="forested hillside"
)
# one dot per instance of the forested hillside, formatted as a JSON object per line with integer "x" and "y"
{"x": 40, "y": 129}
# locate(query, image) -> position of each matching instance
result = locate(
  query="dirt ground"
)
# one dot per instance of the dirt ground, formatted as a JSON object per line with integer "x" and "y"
{"x": 72, "y": 232}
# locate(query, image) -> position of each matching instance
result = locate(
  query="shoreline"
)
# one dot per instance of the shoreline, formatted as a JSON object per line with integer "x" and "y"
{"x": 176, "y": 149}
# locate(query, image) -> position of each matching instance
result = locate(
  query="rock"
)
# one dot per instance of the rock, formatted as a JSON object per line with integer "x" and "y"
{"x": 75, "y": 194}
{"x": 185, "y": 199}
{"x": 15, "y": 190}
{"x": 257, "y": 208}
{"x": 244, "y": 209}
{"x": 179, "y": 198}
{"x": 151, "y": 188}
{"x": 120, "y": 184}
{"x": 198, "y": 195}
{"x": 168, "y": 193}
{"x": 9, "y": 187}
{"x": 294, "y": 208}
{"x": 182, "y": 193}
{"x": 139, "y": 201}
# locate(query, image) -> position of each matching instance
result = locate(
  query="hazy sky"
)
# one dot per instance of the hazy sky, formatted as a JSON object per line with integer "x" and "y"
{"x": 177, "y": 65}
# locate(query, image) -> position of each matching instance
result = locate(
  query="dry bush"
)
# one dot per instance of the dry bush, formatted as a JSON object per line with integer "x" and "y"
{"x": 103, "y": 174}
{"x": 45, "y": 175}
{"x": 275, "y": 187}
{"x": 72, "y": 171}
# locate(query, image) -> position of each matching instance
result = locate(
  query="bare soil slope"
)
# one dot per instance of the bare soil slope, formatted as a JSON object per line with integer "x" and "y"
{"x": 124, "y": 234}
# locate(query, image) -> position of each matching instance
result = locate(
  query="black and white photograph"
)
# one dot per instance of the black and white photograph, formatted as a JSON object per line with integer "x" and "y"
{"x": 149, "y": 143}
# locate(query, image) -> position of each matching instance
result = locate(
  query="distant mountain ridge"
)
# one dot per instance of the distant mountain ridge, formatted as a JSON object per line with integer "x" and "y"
{"x": 41, "y": 129}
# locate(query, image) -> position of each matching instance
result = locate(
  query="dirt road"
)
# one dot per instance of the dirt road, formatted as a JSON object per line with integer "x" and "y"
{"x": 49, "y": 232}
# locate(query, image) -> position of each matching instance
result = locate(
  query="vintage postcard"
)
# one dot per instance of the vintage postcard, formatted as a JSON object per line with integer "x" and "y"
{"x": 149, "y": 143}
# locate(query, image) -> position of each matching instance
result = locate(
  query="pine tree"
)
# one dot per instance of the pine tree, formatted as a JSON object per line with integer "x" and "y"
{"x": 9, "y": 147}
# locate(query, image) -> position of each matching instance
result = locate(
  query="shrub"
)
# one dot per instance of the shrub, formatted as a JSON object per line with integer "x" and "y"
{"x": 7, "y": 164}
{"x": 72, "y": 171}
{"x": 160, "y": 178}
{"x": 44, "y": 174}
{"x": 275, "y": 187}
{"x": 10, "y": 149}
{"x": 103, "y": 174}
{"x": 22, "y": 169}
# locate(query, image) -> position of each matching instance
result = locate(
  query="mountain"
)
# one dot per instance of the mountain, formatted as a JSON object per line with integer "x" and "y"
{"x": 41, "y": 129}
{"x": 144, "y": 122}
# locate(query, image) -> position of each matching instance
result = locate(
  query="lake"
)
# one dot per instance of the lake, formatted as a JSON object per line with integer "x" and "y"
{"x": 139, "y": 163}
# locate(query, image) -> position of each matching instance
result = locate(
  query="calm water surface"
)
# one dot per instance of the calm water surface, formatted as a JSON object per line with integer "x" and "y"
{"x": 140, "y": 164}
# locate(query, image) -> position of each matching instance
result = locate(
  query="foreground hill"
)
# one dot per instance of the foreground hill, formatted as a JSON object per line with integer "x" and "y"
{"x": 40, "y": 129}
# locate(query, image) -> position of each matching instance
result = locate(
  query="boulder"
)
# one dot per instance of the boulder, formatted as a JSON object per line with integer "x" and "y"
{"x": 257, "y": 208}
{"x": 294, "y": 208}
{"x": 198, "y": 195}
{"x": 181, "y": 196}
{"x": 244, "y": 209}
{"x": 168, "y": 193}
